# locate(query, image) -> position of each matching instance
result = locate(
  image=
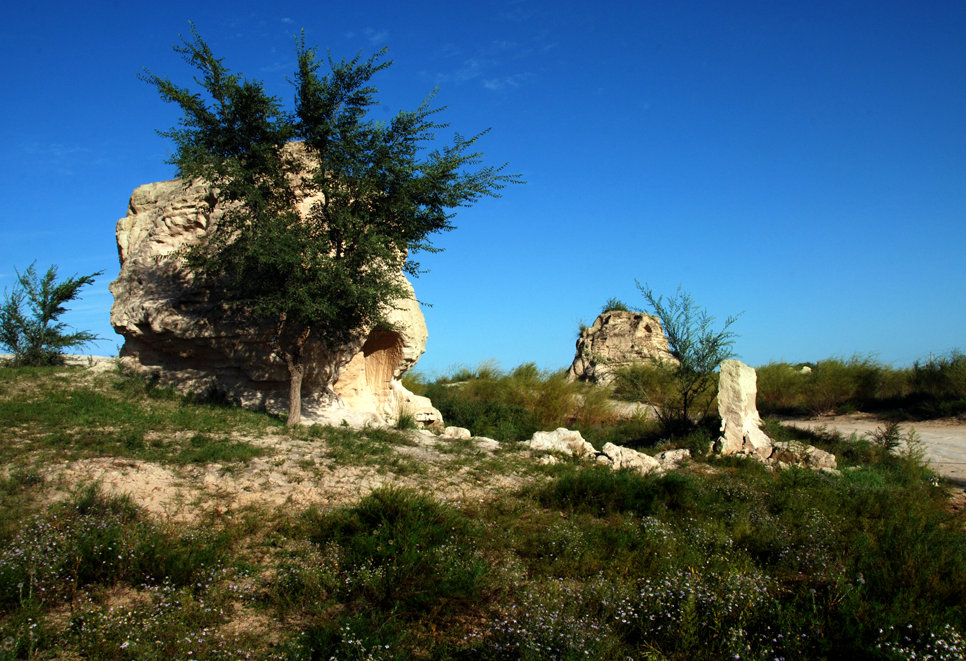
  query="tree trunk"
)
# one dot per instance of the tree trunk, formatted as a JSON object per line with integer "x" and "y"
{"x": 295, "y": 371}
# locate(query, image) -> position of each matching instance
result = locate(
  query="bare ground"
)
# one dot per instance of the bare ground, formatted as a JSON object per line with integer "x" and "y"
{"x": 293, "y": 473}
{"x": 944, "y": 441}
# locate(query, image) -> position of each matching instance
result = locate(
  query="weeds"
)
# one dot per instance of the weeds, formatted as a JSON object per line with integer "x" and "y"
{"x": 512, "y": 406}
{"x": 934, "y": 388}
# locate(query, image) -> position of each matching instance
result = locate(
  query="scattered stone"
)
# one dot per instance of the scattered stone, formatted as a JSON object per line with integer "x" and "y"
{"x": 673, "y": 459}
{"x": 561, "y": 440}
{"x": 618, "y": 339}
{"x": 796, "y": 453}
{"x": 740, "y": 423}
{"x": 486, "y": 444}
{"x": 626, "y": 458}
{"x": 456, "y": 433}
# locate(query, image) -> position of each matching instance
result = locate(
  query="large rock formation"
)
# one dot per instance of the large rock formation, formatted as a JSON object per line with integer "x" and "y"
{"x": 184, "y": 336}
{"x": 618, "y": 339}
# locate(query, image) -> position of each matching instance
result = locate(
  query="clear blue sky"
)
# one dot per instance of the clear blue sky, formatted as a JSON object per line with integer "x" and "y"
{"x": 802, "y": 162}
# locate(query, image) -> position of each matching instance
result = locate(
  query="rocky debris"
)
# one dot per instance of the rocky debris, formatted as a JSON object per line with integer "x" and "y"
{"x": 618, "y": 339}
{"x": 801, "y": 454}
{"x": 741, "y": 432}
{"x": 486, "y": 444}
{"x": 456, "y": 433}
{"x": 571, "y": 443}
{"x": 619, "y": 457}
{"x": 673, "y": 459}
{"x": 561, "y": 440}
{"x": 740, "y": 423}
{"x": 180, "y": 334}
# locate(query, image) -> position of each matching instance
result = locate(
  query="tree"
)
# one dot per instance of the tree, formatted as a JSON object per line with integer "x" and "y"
{"x": 34, "y": 335}
{"x": 331, "y": 271}
{"x": 698, "y": 347}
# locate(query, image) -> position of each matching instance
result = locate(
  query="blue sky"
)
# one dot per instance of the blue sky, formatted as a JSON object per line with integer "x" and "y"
{"x": 800, "y": 162}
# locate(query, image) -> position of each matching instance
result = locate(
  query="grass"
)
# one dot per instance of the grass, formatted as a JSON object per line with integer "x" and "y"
{"x": 511, "y": 406}
{"x": 929, "y": 389}
{"x": 113, "y": 415}
{"x": 722, "y": 559}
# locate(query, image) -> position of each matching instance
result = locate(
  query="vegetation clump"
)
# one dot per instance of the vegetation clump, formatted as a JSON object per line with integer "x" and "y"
{"x": 932, "y": 388}
{"x": 29, "y": 326}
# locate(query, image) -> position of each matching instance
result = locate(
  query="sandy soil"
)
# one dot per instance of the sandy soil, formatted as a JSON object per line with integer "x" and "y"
{"x": 293, "y": 473}
{"x": 944, "y": 440}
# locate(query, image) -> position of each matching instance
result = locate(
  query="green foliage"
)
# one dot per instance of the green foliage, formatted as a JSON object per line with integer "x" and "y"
{"x": 94, "y": 539}
{"x": 401, "y": 551}
{"x": 929, "y": 389}
{"x": 514, "y": 405}
{"x": 378, "y": 196}
{"x": 712, "y": 561}
{"x": 28, "y": 317}
{"x": 697, "y": 346}
{"x": 117, "y": 415}
{"x": 614, "y": 305}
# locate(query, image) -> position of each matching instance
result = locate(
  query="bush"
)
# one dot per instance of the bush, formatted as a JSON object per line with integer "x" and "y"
{"x": 401, "y": 551}
{"x": 512, "y": 406}
{"x": 36, "y": 337}
{"x": 934, "y": 388}
{"x": 614, "y": 305}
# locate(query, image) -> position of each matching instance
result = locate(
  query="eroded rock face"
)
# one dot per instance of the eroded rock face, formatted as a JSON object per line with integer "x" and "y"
{"x": 740, "y": 423}
{"x": 182, "y": 334}
{"x": 618, "y": 339}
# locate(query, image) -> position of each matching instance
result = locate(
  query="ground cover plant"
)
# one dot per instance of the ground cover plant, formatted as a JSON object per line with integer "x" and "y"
{"x": 720, "y": 559}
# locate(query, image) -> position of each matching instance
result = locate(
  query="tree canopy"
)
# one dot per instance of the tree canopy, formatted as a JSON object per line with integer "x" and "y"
{"x": 698, "y": 347}
{"x": 376, "y": 192}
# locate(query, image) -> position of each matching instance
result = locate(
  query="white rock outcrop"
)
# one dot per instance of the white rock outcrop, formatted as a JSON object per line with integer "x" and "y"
{"x": 618, "y": 457}
{"x": 182, "y": 335}
{"x": 618, "y": 339}
{"x": 793, "y": 453}
{"x": 561, "y": 440}
{"x": 740, "y": 423}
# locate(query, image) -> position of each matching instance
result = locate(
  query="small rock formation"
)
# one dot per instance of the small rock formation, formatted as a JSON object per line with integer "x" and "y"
{"x": 185, "y": 337}
{"x": 561, "y": 440}
{"x": 618, "y": 339}
{"x": 619, "y": 457}
{"x": 800, "y": 454}
{"x": 741, "y": 432}
{"x": 571, "y": 443}
{"x": 740, "y": 423}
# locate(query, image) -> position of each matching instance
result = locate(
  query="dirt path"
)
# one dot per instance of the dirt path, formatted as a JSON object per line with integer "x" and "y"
{"x": 944, "y": 440}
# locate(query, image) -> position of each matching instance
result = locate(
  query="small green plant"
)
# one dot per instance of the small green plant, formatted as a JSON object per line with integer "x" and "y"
{"x": 406, "y": 420}
{"x": 615, "y": 305}
{"x": 34, "y": 335}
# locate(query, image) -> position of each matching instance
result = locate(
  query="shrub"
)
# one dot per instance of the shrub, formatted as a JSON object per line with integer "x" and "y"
{"x": 401, "y": 551}
{"x": 36, "y": 337}
{"x": 615, "y": 305}
{"x": 934, "y": 388}
{"x": 96, "y": 539}
{"x": 697, "y": 346}
{"x": 512, "y": 406}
